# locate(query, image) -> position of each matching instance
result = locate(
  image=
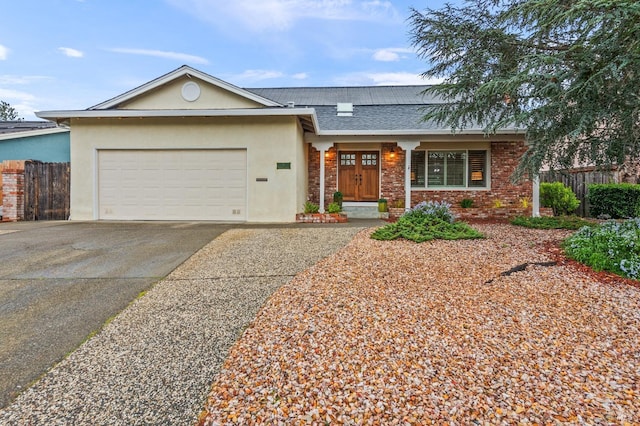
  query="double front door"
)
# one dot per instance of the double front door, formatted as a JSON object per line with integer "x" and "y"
{"x": 358, "y": 175}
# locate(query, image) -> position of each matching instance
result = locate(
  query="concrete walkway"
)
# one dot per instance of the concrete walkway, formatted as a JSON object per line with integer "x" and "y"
{"x": 154, "y": 362}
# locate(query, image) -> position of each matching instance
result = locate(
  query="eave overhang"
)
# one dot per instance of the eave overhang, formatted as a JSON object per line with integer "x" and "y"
{"x": 306, "y": 116}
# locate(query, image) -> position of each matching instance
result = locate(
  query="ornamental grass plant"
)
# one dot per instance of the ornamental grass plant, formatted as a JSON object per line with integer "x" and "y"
{"x": 427, "y": 221}
{"x": 612, "y": 246}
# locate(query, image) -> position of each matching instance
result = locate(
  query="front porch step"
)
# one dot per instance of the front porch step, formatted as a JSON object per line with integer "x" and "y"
{"x": 363, "y": 211}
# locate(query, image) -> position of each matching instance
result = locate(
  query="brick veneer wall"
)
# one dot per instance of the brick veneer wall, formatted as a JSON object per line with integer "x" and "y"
{"x": 13, "y": 191}
{"x": 504, "y": 159}
{"x": 392, "y": 173}
{"x": 314, "y": 175}
{"x": 330, "y": 175}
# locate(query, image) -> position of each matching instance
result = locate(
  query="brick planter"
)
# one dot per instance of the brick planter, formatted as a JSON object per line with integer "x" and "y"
{"x": 321, "y": 218}
{"x": 396, "y": 212}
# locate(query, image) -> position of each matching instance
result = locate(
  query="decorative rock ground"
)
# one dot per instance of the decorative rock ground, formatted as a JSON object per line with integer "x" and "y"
{"x": 404, "y": 333}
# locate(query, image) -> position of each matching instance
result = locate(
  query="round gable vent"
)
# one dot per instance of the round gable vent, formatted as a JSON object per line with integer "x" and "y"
{"x": 190, "y": 91}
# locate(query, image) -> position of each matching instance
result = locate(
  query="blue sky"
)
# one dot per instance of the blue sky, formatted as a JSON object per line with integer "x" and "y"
{"x": 73, "y": 54}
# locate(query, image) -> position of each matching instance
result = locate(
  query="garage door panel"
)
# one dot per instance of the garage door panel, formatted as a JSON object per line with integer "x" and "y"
{"x": 172, "y": 184}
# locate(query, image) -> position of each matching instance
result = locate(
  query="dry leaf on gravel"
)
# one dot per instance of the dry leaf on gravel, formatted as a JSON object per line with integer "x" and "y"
{"x": 404, "y": 333}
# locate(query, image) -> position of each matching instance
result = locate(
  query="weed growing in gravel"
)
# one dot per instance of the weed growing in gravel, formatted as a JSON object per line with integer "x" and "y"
{"x": 555, "y": 222}
{"x": 427, "y": 221}
{"x": 612, "y": 246}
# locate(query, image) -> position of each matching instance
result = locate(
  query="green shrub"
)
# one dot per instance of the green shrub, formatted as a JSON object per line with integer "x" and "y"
{"x": 559, "y": 197}
{"x": 556, "y": 222}
{"x": 437, "y": 209}
{"x": 614, "y": 200}
{"x": 427, "y": 221}
{"x": 334, "y": 208}
{"x": 466, "y": 203}
{"x": 612, "y": 246}
{"x": 310, "y": 208}
{"x": 337, "y": 197}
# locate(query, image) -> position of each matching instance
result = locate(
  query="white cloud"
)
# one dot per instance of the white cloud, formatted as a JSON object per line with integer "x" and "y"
{"x": 257, "y": 75}
{"x": 280, "y": 15}
{"x": 4, "y": 52}
{"x": 300, "y": 76}
{"x": 72, "y": 53}
{"x": 14, "y": 80}
{"x": 17, "y": 95}
{"x": 183, "y": 57}
{"x": 390, "y": 54}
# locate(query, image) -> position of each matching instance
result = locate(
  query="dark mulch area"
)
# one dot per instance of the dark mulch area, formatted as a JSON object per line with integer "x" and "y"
{"x": 557, "y": 253}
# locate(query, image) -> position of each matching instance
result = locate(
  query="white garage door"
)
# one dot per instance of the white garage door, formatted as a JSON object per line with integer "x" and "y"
{"x": 172, "y": 184}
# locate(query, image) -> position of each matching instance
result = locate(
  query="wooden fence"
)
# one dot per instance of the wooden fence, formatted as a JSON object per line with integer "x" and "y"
{"x": 46, "y": 191}
{"x": 579, "y": 180}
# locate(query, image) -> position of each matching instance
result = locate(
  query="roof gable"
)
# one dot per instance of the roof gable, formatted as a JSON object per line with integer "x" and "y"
{"x": 186, "y": 88}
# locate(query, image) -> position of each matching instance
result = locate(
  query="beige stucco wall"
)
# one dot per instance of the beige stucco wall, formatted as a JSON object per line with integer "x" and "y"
{"x": 268, "y": 140}
{"x": 169, "y": 96}
{"x": 302, "y": 171}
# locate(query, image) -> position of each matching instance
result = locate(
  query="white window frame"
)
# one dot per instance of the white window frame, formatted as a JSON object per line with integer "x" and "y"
{"x": 466, "y": 186}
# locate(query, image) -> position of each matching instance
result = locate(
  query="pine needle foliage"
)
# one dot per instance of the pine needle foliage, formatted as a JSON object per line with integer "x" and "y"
{"x": 566, "y": 72}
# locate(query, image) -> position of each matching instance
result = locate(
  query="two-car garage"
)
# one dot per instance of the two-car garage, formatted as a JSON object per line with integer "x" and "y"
{"x": 172, "y": 184}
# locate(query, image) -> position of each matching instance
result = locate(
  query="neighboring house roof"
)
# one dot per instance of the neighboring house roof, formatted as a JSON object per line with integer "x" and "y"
{"x": 24, "y": 129}
{"x": 24, "y": 126}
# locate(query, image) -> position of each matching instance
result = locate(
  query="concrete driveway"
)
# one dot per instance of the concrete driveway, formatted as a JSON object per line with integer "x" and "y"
{"x": 60, "y": 282}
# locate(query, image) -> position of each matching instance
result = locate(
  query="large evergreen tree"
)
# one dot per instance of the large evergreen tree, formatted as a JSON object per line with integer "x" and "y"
{"x": 567, "y": 71}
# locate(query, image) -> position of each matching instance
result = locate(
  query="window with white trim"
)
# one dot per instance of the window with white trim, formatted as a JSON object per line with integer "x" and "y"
{"x": 449, "y": 169}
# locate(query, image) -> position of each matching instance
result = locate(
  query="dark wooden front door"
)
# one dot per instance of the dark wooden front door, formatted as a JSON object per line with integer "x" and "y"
{"x": 358, "y": 175}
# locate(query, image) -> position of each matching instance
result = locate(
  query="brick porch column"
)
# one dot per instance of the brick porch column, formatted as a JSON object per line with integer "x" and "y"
{"x": 407, "y": 147}
{"x": 323, "y": 147}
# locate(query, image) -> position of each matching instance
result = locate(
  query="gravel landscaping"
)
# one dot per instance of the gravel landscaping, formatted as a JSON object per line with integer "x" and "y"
{"x": 394, "y": 332}
{"x": 154, "y": 363}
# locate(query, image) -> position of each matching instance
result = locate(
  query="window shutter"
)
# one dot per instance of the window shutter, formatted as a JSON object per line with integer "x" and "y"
{"x": 477, "y": 168}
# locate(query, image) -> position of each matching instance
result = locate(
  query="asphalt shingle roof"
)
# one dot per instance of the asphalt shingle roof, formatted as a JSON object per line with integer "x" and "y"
{"x": 364, "y": 95}
{"x": 24, "y": 126}
{"x": 375, "y": 108}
